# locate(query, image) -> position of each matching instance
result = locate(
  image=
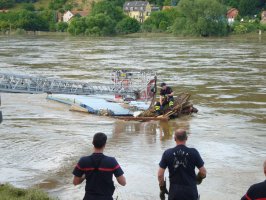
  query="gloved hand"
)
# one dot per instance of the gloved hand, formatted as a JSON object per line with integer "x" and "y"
{"x": 199, "y": 179}
{"x": 163, "y": 191}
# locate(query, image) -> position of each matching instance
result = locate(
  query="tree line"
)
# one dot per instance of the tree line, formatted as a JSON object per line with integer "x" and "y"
{"x": 6, "y": 4}
{"x": 105, "y": 19}
{"x": 188, "y": 17}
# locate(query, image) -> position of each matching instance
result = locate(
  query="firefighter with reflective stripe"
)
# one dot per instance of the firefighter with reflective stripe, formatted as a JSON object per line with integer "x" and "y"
{"x": 98, "y": 171}
{"x": 166, "y": 97}
{"x": 257, "y": 191}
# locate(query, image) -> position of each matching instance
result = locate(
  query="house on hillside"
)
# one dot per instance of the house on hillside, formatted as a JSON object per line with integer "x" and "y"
{"x": 67, "y": 16}
{"x": 263, "y": 17}
{"x": 168, "y": 7}
{"x": 231, "y": 15}
{"x": 140, "y": 10}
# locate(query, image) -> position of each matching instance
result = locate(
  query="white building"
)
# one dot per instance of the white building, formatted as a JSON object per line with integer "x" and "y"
{"x": 70, "y": 14}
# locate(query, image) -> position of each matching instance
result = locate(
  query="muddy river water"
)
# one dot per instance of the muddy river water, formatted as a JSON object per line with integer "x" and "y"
{"x": 40, "y": 140}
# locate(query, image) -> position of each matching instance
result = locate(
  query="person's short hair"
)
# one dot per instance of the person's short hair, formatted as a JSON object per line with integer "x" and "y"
{"x": 180, "y": 135}
{"x": 99, "y": 140}
{"x": 163, "y": 84}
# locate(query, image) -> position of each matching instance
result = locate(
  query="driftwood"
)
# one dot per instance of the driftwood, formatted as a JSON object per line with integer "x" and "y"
{"x": 181, "y": 106}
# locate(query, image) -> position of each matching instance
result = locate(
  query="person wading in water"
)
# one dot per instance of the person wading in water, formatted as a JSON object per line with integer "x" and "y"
{"x": 98, "y": 170}
{"x": 181, "y": 162}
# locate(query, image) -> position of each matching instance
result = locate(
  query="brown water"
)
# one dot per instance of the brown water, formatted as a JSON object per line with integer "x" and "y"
{"x": 40, "y": 140}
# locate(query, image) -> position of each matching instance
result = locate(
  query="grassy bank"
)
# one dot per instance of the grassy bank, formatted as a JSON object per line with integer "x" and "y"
{"x": 9, "y": 192}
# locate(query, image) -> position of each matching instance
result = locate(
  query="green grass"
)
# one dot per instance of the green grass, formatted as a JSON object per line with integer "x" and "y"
{"x": 9, "y": 192}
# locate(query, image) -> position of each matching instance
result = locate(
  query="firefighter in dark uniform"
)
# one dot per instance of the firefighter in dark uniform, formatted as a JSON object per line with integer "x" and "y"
{"x": 181, "y": 162}
{"x": 166, "y": 97}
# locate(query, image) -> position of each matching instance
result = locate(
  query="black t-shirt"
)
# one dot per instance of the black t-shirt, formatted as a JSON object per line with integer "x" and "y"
{"x": 256, "y": 192}
{"x": 181, "y": 162}
{"x": 99, "y": 170}
{"x": 168, "y": 90}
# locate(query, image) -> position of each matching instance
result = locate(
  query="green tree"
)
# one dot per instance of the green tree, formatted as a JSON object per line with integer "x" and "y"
{"x": 109, "y": 9}
{"x": 28, "y": 6}
{"x": 56, "y": 4}
{"x": 10, "y": 18}
{"x": 201, "y": 17}
{"x": 128, "y": 25}
{"x": 100, "y": 25}
{"x": 247, "y": 7}
{"x": 77, "y": 26}
{"x": 50, "y": 17}
{"x": 4, "y": 4}
{"x": 4, "y": 25}
{"x": 117, "y": 2}
{"x": 31, "y": 21}
{"x": 230, "y": 3}
{"x": 167, "y": 2}
{"x": 157, "y": 2}
{"x": 61, "y": 26}
{"x": 160, "y": 21}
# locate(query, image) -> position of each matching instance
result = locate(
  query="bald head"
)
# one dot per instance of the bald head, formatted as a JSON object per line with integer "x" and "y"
{"x": 180, "y": 135}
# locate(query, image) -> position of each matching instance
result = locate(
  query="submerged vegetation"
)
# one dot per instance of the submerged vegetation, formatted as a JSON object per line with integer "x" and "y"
{"x": 9, "y": 192}
{"x": 106, "y": 17}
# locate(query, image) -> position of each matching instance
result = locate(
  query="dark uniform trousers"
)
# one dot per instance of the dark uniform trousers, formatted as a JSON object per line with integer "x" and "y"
{"x": 181, "y": 192}
{"x": 95, "y": 197}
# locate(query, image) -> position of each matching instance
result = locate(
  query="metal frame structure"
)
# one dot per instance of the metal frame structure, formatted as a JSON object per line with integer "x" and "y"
{"x": 140, "y": 82}
{"x": 125, "y": 83}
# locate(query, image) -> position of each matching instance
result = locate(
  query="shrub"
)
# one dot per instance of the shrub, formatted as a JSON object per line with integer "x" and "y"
{"x": 77, "y": 26}
{"x": 28, "y": 6}
{"x": 61, "y": 26}
{"x": 128, "y": 25}
{"x": 159, "y": 21}
{"x": 245, "y": 27}
{"x": 100, "y": 25}
{"x": 4, "y": 4}
{"x": 262, "y": 27}
{"x": 240, "y": 29}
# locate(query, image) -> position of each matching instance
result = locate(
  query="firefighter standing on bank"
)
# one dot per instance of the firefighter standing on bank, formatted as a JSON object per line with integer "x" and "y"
{"x": 166, "y": 97}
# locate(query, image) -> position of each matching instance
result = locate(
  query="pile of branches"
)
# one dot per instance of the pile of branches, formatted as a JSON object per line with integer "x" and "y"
{"x": 182, "y": 106}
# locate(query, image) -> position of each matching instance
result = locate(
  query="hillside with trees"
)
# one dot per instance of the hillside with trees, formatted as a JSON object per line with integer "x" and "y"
{"x": 106, "y": 17}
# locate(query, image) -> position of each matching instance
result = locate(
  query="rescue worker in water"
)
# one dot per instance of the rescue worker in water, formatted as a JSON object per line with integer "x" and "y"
{"x": 166, "y": 97}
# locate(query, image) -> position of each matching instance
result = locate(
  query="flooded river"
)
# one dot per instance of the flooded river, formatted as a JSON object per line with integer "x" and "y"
{"x": 40, "y": 140}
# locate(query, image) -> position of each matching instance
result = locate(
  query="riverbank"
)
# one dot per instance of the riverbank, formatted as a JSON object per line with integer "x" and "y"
{"x": 9, "y": 192}
{"x": 252, "y": 35}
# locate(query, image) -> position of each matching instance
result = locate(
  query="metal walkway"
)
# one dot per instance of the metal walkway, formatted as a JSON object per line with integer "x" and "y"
{"x": 13, "y": 83}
